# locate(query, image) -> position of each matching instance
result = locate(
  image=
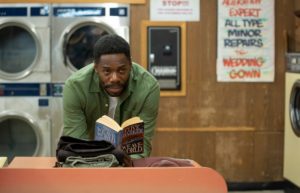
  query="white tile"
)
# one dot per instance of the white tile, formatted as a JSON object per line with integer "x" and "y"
{"x": 263, "y": 191}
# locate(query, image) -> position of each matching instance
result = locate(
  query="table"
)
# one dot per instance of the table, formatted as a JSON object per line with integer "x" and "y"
{"x": 36, "y": 174}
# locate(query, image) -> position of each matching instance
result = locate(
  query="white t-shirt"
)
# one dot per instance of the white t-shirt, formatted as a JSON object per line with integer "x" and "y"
{"x": 113, "y": 102}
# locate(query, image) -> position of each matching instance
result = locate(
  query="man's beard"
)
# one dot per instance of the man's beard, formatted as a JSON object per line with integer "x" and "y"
{"x": 121, "y": 86}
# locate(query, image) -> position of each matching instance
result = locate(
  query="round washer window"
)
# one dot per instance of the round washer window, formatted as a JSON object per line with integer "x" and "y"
{"x": 18, "y": 50}
{"x": 17, "y": 138}
{"x": 80, "y": 43}
{"x": 295, "y": 108}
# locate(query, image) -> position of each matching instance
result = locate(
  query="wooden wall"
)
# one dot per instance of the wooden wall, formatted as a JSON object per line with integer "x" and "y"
{"x": 235, "y": 128}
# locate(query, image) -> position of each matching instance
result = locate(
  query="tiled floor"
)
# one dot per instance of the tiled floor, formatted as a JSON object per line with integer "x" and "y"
{"x": 263, "y": 191}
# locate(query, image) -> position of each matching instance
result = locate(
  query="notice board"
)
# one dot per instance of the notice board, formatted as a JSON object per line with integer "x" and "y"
{"x": 245, "y": 41}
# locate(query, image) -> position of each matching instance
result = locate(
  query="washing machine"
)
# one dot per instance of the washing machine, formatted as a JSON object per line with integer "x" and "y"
{"x": 25, "y": 120}
{"x": 292, "y": 121}
{"x": 25, "y": 43}
{"x": 56, "y": 113}
{"x": 76, "y": 28}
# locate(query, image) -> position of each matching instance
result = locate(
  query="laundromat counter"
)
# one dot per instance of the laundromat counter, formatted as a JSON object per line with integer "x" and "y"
{"x": 37, "y": 174}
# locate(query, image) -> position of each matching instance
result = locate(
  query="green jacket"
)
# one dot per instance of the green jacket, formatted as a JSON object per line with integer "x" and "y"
{"x": 84, "y": 101}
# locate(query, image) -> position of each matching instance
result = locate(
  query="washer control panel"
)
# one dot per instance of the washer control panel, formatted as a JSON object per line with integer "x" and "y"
{"x": 293, "y": 62}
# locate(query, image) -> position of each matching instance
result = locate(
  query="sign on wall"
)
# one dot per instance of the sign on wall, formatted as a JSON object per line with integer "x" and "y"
{"x": 174, "y": 10}
{"x": 245, "y": 41}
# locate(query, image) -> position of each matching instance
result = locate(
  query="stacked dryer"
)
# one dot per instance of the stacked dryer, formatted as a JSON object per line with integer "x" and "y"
{"x": 24, "y": 80}
{"x": 75, "y": 29}
{"x": 292, "y": 120}
{"x": 25, "y": 43}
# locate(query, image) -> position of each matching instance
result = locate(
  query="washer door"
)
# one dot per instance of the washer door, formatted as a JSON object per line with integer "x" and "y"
{"x": 79, "y": 43}
{"x": 19, "y": 50}
{"x": 19, "y": 136}
{"x": 295, "y": 108}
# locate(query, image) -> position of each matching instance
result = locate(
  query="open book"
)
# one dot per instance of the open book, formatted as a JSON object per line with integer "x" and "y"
{"x": 129, "y": 136}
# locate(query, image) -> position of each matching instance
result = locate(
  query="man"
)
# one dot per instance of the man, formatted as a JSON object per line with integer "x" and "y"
{"x": 113, "y": 86}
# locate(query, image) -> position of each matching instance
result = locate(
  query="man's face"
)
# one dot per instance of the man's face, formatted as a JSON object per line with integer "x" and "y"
{"x": 113, "y": 71}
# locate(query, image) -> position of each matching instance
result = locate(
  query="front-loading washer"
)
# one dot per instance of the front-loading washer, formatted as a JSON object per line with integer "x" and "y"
{"x": 25, "y": 42}
{"x": 57, "y": 124}
{"x": 25, "y": 122}
{"x": 76, "y": 28}
{"x": 291, "y": 167}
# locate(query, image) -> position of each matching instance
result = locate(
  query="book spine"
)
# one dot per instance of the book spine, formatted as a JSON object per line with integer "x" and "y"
{"x": 120, "y": 138}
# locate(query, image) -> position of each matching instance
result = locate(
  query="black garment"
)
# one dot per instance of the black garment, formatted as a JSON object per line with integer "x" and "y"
{"x": 70, "y": 146}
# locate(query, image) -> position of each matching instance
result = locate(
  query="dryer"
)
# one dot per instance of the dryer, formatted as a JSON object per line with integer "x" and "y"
{"x": 25, "y": 122}
{"x": 75, "y": 29}
{"x": 56, "y": 113}
{"x": 25, "y": 43}
{"x": 292, "y": 121}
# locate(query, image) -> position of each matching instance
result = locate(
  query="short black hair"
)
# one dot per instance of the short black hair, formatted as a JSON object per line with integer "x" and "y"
{"x": 111, "y": 44}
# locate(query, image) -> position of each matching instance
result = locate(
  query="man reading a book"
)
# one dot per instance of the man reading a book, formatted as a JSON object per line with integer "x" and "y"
{"x": 113, "y": 85}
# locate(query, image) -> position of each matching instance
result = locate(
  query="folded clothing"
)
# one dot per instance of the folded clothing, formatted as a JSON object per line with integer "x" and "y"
{"x": 69, "y": 146}
{"x": 162, "y": 162}
{"x": 101, "y": 161}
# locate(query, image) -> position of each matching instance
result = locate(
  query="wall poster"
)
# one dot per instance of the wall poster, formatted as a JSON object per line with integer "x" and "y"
{"x": 175, "y": 10}
{"x": 245, "y": 41}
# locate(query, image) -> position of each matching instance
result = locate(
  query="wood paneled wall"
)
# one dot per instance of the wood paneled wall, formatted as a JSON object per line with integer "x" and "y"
{"x": 235, "y": 128}
{"x": 74, "y": 1}
{"x": 196, "y": 126}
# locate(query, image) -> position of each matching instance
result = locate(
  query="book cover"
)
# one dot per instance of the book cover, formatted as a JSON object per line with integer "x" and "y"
{"x": 129, "y": 136}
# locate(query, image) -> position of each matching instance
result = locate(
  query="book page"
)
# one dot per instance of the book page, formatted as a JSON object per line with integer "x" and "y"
{"x": 106, "y": 120}
{"x": 131, "y": 121}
